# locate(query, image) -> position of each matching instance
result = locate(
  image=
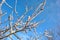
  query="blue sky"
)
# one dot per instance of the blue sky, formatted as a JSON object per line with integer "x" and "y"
{"x": 51, "y": 13}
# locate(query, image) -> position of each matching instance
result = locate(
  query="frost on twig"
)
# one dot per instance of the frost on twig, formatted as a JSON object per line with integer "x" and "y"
{"x": 19, "y": 24}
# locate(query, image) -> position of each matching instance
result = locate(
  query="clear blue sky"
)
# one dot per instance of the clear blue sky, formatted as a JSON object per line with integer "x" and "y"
{"x": 51, "y": 13}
